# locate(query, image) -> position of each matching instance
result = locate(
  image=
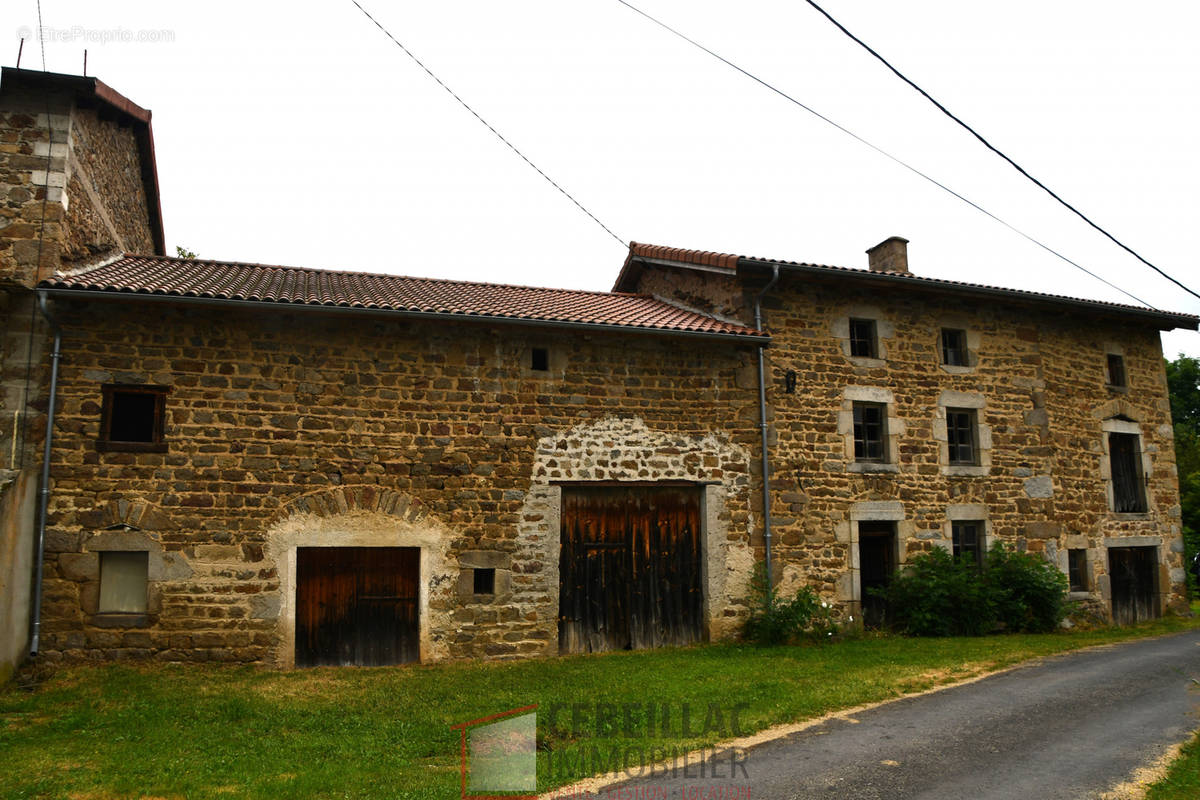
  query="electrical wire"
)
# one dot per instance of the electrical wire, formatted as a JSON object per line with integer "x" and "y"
{"x": 881, "y": 151}
{"x": 487, "y": 125}
{"x": 995, "y": 150}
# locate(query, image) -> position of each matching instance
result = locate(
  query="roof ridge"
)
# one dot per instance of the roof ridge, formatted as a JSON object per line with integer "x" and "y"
{"x": 325, "y": 271}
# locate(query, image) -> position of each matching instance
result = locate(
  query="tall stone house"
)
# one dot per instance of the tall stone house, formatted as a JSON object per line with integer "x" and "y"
{"x": 296, "y": 466}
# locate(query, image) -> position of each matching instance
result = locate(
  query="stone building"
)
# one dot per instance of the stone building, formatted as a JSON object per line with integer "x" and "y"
{"x": 297, "y": 466}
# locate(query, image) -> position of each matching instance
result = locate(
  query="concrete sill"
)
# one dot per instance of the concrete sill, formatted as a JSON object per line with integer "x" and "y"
{"x": 1117, "y": 389}
{"x": 871, "y": 467}
{"x": 111, "y": 620}
{"x": 1080, "y": 595}
{"x": 1131, "y": 516}
{"x": 956, "y": 369}
{"x": 966, "y": 471}
{"x": 864, "y": 361}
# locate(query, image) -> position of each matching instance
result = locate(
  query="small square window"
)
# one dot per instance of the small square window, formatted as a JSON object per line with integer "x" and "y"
{"x": 870, "y": 432}
{"x": 539, "y": 360}
{"x": 1077, "y": 569}
{"x": 132, "y": 417}
{"x": 863, "y": 342}
{"x": 123, "y": 579}
{"x": 954, "y": 347}
{"x": 485, "y": 580}
{"x": 1116, "y": 370}
{"x": 968, "y": 541}
{"x": 961, "y": 436}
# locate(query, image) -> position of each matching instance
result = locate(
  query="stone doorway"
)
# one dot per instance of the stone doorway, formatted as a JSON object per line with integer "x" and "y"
{"x": 877, "y": 556}
{"x": 1132, "y": 572}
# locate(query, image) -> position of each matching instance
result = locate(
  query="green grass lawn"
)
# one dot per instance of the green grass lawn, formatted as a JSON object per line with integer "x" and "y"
{"x": 1182, "y": 781}
{"x": 177, "y": 731}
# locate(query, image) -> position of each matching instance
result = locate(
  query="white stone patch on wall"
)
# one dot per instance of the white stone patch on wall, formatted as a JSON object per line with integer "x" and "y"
{"x": 617, "y": 449}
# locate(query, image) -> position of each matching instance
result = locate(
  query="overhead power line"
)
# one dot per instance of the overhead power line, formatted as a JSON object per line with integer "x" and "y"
{"x": 487, "y": 125}
{"x": 879, "y": 150}
{"x": 997, "y": 151}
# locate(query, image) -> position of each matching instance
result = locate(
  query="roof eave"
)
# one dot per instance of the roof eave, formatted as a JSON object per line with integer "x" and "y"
{"x": 758, "y": 340}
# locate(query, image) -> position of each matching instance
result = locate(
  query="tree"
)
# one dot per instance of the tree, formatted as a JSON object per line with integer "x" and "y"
{"x": 1183, "y": 384}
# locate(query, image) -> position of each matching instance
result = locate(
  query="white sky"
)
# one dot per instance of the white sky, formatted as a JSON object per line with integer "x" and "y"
{"x": 298, "y": 134}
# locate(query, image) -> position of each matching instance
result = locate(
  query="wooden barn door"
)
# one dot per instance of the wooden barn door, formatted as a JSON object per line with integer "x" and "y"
{"x": 1131, "y": 573}
{"x": 630, "y": 568}
{"x": 356, "y": 606}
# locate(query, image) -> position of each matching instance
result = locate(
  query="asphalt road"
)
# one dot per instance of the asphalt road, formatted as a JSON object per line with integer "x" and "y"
{"x": 1070, "y": 726}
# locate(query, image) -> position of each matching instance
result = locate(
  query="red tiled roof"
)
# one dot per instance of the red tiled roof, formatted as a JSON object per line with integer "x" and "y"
{"x": 228, "y": 281}
{"x": 1167, "y": 319}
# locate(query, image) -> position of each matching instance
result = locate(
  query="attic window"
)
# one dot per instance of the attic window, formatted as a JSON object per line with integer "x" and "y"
{"x": 132, "y": 418}
{"x": 1116, "y": 370}
{"x": 485, "y": 580}
{"x": 539, "y": 359}
{"x": 954, "y": 347}
{"x": 863, "y": 338}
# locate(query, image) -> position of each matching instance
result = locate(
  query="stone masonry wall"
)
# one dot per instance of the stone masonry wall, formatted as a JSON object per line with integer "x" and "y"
{"x": 1038, "y": 383}
{"x": 286, "y": 428}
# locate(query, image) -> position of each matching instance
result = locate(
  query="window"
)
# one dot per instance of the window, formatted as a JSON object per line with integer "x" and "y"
{"x": 961, "y": 436}
{"x": 1116, "y": 370}
{"x": 1077, "y": 569}
{"x": 485, "y": 580}
{"x": 539, "y": 359}
{"x": 870, "y": 432}
{"x": 954, "y": 347}
{"x": 968, "y": 541}
{"x": 132, "y": 418}
{"x": 1125, "y": 461}
{"x": 123, "y": 578}
{"x": 863, "y": 338}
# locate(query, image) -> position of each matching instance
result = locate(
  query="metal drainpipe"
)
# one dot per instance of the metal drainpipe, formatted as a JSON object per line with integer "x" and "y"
{"x": 762, "y": 427}
{"x": 55, "y": 354}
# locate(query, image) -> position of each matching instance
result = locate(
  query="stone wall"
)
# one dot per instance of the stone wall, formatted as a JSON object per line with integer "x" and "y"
{"x": 292, "y": 427}
{"x": 1037, "y": 380}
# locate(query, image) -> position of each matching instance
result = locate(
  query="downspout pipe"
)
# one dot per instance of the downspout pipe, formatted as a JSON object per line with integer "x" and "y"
{"x": 762, "y": 427}
{"x": 44, "y": 499}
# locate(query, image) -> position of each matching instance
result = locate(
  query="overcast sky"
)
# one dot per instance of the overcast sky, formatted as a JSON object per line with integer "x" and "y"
{"x": 299, "y": 134}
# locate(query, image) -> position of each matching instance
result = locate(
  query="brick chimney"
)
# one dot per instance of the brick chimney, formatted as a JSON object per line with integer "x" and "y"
{"x": 890, "y": 255}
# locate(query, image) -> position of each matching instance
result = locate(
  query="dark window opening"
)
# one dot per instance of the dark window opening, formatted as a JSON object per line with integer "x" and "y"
{"x": 485, "y": 580}
{"x": 961, "y": 436}
{"x": 1077, "y": 569}
{"x": 123, "y": 581}
{"x": 870, "y": 432}
{"x": 954, "y": 347}
{"x": 1116, "y": 370}
{"x": 968, "y": 542}
{"x": 862, "y": 338}
{"x": 540, "y": 359}
{"x": 1125, "y": 461}
{"x": 132, "y": 418}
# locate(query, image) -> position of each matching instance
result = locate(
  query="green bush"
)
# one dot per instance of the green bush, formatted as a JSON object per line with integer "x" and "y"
{"x": 775, "y": 621}
{"x": 938, "y": 596}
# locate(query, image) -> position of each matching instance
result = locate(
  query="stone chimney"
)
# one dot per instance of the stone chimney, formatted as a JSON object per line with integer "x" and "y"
{"x": 890, "y": 255}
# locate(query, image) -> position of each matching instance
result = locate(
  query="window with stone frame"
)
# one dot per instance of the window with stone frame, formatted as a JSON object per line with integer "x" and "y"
{"x": 132, "y": 417}
{"x": 968, "y": 541}
{"x": 954, "y": 347}
{"x": 864, "y": 338}
{"x": 870, "y": 432}
{"x": 962, "y": 436}
{"x": 124, "y": 578}
{"x": 1077, "y": 569}
{"x": 1125, "y": 464}
{"x": 1116, "y": 370}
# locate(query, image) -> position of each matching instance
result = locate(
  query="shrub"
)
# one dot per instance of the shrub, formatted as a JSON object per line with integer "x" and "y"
{"x": 1030, "y": 592}
{"x": 775, "y": 621}
{"x": 938, "y": 596}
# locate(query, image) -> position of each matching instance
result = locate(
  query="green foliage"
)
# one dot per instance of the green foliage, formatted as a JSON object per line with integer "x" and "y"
{"x": 775, "y": 621}
{"x": 939, "y": 596}
{"x": 183, "y": 252}
{"x": 1183, "y": 384}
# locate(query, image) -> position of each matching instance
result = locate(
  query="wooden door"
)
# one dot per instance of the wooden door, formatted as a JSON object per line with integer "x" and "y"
{"x": 877, "y": 566}
{"x": 629, "y": 568}
{"x": 1131, "y": 573}
{"x": 356, "y": 606}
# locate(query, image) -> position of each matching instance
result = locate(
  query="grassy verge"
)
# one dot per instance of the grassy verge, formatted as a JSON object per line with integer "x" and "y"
{"x": 1182, "y": 781}
{"x": 237, "y": 732}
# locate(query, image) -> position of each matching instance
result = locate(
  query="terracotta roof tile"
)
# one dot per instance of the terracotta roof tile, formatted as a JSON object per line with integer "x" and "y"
{"x": 221, "y": 280}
